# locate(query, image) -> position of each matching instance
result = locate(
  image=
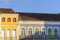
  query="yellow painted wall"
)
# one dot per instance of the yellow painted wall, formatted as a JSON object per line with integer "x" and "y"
{"x": 10, "y": 25}
{"x": 11, "y": 16}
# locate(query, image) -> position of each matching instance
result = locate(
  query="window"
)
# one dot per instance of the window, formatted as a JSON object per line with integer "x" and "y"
{"x": 55, "y": 32}
{"x": 30, "y": 31}
{"x": 49, "y": 33}
{"x": 8, "y": 20}
{"x": 3, "y": 34}
{"x": 36, "y": 35}
{"x": 14, "y": 19}
{"x": 3, "y": 19}
{"x": 43, "y": 32}
{"x": 36, "y": 31}
{"x": 14, "y": 34}
{"x": 8, "y": 34}
{"x": 23, "y": 31}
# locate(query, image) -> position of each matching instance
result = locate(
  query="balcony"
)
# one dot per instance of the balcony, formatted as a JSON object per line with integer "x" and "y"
{"x": 40, "y": 37}
{"x": 8, "y": 38}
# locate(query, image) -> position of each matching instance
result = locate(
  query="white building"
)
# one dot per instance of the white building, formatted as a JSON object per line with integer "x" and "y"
{"x": 36, "y": 26}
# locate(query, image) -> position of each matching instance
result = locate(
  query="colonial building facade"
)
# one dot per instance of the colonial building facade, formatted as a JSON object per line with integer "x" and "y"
{"x": 8, "y": 24}
{"x": 36, "y": 26}
{"x": 28, "y": 26}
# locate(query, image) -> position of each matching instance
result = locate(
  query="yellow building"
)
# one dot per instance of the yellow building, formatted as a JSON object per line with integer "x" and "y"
{"x": 8, "y": 25}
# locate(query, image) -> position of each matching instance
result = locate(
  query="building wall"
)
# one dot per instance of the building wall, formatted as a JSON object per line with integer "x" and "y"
{"x": 52, "y": 25}
{"x": 30, "y": 24}
{"x": 10, "y": 28}
{"x": 42, "y": 26}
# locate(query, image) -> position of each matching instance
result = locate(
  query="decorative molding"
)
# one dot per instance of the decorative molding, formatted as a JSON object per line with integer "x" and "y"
{"x": 31, "y": 25}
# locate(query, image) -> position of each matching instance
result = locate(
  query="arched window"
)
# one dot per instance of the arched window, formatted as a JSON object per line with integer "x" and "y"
{"x": 23, "y": 31}
{"x": 43, "y": 32}
{"x": 36, "y": 31}
{"x": 55, "y": 33}
{"x": 3, "y": 19}
{"x": 49, "y": 33}
{"x": 14, "y": 19}
{"x": 8, "y": 20}
{"x": 30, "y": 31}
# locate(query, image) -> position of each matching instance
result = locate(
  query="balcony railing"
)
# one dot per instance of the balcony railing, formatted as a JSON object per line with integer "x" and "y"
{"x": 8, "y": 38}
{"x": 40, "y": 37}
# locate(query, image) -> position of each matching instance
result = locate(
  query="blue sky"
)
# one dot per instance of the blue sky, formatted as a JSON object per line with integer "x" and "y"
{"x": 39, "y": 6}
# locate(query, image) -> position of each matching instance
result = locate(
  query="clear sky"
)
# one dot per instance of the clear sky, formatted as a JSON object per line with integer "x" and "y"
{"x": 40, "y": 6}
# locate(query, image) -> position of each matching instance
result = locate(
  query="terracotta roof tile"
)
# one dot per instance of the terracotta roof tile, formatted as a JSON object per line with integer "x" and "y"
{"x": 6, "y": 10}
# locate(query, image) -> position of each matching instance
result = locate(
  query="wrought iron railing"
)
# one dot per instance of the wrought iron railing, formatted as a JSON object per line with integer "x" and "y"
{"x": 40, "y": 37}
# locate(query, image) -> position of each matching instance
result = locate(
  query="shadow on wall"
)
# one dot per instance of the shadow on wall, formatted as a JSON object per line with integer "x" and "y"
{"x": 38, "y": 36}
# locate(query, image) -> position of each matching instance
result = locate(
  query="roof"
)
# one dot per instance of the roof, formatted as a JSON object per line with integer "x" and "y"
{"x": 6, "y": 10}
{"x": 39, "y": 16}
